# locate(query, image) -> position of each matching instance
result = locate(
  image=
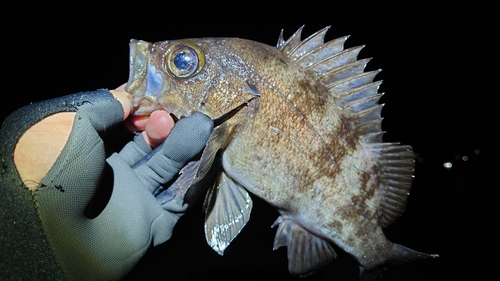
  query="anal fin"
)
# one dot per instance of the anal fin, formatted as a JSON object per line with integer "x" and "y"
{"x": 306, "y": 252}
{"x": 227, "y": 209}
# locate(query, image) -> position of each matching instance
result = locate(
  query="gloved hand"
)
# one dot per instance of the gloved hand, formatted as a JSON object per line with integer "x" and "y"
{"x": 106, "y": 244}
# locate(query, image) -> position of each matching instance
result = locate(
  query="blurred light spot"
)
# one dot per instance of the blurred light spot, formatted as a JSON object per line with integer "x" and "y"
{"x": 477, "y": 151}
{"x": 447, "y": 165}
{"x": 465, "y": 158}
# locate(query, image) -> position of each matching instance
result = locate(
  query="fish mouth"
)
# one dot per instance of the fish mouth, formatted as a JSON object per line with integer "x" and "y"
{"x": 138, "y": 63}
{"x": 138, "y": 59}
{"x": 145, "y": 83}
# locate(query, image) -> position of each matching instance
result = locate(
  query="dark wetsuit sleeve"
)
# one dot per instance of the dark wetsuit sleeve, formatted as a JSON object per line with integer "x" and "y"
{"x": 24, "y": 251}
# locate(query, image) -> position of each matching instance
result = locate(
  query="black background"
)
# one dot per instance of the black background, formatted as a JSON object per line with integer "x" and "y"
{"x": 439, "y": 94}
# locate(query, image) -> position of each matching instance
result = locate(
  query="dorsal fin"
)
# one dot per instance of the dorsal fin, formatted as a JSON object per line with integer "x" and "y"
{"x": 395, "y": 168}
{"x": 291, "y": 43}
{"x": 340, "y": 71}
{"x": 355, "y": 92}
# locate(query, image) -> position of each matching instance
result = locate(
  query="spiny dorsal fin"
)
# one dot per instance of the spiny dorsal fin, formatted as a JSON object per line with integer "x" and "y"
{"x": 340, "y": 71}
{"x": 291, "y": 43}
{"x": 281, "y": 41}
{"x": 309, "y": 45}
{"x": 353, "y": 90}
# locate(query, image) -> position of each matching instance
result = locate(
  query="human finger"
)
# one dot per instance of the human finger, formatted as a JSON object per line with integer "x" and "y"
{"x": 188, "y": 138}
{"x": 158, "y": 127}
{"x": 125, "y": 99}
{"x": 121, "y": 87}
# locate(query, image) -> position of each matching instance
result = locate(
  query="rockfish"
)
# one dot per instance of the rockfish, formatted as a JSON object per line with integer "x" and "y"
{"x": 297, "y": 125}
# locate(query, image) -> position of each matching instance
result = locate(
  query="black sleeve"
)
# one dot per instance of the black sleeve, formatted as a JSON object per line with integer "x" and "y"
{"x": 24, "y": 251}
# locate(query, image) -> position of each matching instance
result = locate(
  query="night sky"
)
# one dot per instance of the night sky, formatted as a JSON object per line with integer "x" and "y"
{"x": 437, "y": 99}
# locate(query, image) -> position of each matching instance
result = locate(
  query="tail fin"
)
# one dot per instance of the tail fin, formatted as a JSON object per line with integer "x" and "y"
{"x": 402, "y": 255}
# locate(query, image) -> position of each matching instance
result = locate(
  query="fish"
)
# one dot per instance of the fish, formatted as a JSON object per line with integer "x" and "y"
{"x": 297, "y": 125}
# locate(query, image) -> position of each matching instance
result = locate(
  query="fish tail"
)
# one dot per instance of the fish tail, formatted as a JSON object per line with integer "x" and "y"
{"x": 402, "y": 255}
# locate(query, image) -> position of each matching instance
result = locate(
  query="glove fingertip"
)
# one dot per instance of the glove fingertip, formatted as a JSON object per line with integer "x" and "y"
{"x": 202, "y": 124}
{"x": 188, "y": 137}
{"x": 102, "y": 115}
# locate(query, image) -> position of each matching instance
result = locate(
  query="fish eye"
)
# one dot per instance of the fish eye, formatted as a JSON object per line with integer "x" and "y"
{"x": 184, "y": 60}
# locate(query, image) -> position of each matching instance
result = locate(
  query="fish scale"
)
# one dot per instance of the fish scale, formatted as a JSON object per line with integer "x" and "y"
{"x": 298, "y": 125}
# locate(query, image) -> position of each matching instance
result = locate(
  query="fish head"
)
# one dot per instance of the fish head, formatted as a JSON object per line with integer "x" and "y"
{"x": 208, "y": 75}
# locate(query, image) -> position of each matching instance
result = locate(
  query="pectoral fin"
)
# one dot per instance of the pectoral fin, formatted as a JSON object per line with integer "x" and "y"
{"x": 194, "y": 171}
{"x": 306, "y": 252}
{"x": 227, "y": 210}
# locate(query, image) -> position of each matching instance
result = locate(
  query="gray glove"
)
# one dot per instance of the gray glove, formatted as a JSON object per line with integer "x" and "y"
{"x": 106, "y": 245}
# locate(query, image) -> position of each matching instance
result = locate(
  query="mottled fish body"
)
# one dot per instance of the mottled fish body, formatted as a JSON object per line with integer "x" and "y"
{"x": 299, "y": 126}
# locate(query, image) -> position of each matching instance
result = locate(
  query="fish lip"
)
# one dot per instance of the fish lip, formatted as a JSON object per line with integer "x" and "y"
{"x": 176, "y": 115}
{"x": 139, "y": 58}
{"x": 173, "y": 113}
{"x": 134, "y": 66}
{"x": 145, "y": 82}
{"x": 131, "y": 68}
